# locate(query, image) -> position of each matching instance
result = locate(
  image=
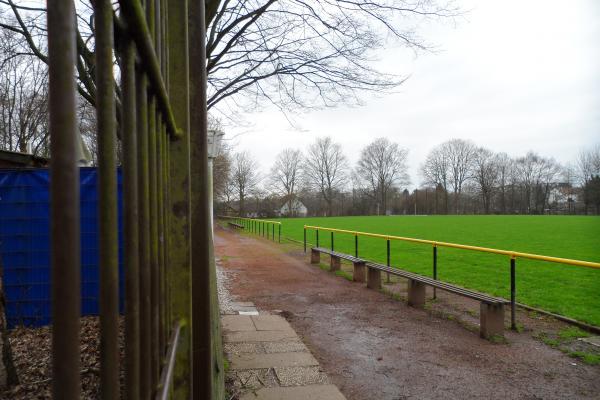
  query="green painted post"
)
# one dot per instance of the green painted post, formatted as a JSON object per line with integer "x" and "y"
{"x": 206, "y": 342}
{"x": 305, "y": 239}
{"x": 130, "y": 225}
{"x": 107, "y": 203}
{"x": 180, "y": 193}
{"x": 144, "y": 231}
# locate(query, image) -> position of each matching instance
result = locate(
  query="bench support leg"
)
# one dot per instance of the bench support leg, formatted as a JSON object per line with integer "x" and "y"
{"x": 315, "y": 257}
{"x": 334, "y": 264}
{"x": 373, "y": 278}
{"x": 491, "y": 320}
{"x": 416, "y": 293}
{"x": 359, "y": 272}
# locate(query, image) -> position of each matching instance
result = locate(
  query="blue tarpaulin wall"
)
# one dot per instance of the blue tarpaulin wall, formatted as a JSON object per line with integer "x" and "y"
{"x": 25, "y": 244}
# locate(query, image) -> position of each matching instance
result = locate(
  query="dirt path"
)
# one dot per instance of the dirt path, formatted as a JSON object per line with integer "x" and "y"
{"x": 375, "y": 347}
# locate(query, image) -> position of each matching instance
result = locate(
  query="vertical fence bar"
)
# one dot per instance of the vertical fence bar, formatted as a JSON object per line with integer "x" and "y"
{"x": 434, "y": 269}
{"x": 107, "y": 202}
{"x": 388, "y": 259}
{"x": 331, "y": 240}
{"x": 130, "y": 226}
{"x": 204, "y": 315}
{"x": 161, "y": 266}
{"x": 279, "y": 233}
{"x": 64, "y": 204}
{"x": 305, "y": 239}
{"x": 273, "y": 229}
{"x": 152, "y": 191}
{"x": 180, "y": 192}
{"x": 356, "y": 245}
{"x": 144, "y": 232}
{"x": 513, "y": 295}
{"x": 317, "y": 233}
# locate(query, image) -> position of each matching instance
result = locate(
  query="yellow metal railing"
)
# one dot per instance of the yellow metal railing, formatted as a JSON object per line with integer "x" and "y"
{"x": 510, "y": 253}
{"x": 435, "y": 244}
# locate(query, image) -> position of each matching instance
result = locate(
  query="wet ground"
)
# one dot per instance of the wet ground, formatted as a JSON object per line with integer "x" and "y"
{"x": 373, "y": 346}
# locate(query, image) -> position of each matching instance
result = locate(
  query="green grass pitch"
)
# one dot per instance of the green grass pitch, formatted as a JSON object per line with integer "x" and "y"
{"x": 567, "y": 290}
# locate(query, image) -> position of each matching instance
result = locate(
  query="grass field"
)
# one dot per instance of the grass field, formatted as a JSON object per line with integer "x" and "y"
{"x": 563, "y": 289}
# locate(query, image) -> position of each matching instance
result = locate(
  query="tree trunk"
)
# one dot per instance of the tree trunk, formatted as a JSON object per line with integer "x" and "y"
{"x": 8, "y": 373}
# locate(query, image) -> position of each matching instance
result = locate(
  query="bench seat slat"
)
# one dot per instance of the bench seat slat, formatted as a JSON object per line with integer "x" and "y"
{"x": 337, "y": 254}
{"x": 439, "y": 284}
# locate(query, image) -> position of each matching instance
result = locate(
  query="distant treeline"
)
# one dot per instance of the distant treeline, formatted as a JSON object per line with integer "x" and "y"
{"x": 459, "y": 178}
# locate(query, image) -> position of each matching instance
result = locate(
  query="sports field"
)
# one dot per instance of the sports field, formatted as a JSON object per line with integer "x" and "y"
{"x": 563, "y": 289}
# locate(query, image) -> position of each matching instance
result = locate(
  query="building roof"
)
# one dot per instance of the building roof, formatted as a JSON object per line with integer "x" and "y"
{"x": 13, "y": 159}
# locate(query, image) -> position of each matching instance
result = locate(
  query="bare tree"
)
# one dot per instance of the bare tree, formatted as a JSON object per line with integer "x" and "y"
{"x": 245, "y": 177}
{"x": 222, "y": 173}
{"x": 325, "y": 169}
{"x": 588, "y": 164}
{"x": 486, "y": 174}
{"x": 286, "y": 174}
{"x": 436, "y": 171}
{"x": 382, "y": 165}
{"x": 503, "y": 167}
{"x": 460, "y": 154}
{"x": 23, "y": 99}
{"x": 292, "y": 53}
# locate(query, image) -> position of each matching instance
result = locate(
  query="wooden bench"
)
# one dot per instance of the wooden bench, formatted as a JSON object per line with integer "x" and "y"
{"x": 491, "y": 316}
{"x": 235, "y": 225}
{"x": 335, "y": 262}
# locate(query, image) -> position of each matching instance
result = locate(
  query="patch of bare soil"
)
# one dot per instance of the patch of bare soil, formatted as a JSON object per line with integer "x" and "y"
{"x": 374, "y": 346}
{"x": 32, "y": 356}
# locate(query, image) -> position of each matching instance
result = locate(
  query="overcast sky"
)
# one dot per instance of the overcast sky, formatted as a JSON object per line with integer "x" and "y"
{"x": 511, "y": 75}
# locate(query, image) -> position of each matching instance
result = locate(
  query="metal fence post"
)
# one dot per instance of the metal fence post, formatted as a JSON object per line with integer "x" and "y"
{"x": 279, "y": 234}
{"x": 513, "y": 294}
{"x": 130, "y": 226}
{"x": 205, "y": 312}
{"x": 107, "y": 202}
{"x": 356, "y": 245}
{"x": 434, "y": 269}
{"x": 331, "y": 240}
{"x": 144, "y": 231}
{"x": 180, "y": 192}
{"x": 388, "y": 260}
{"x": 305, "y": 239}
{"x": 317, "y": 233}
{"x": 64, "y": 203}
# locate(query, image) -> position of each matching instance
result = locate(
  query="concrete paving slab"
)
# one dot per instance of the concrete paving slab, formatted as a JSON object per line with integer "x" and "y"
{"x": 248, "y": 312}
{"x": 242, "y": 304}
{"x": 259, "y": 336}
{"x": 593, "y": 340}
{"x": 238, "y": 348}
{"x": 312, "y": 392}
{"x": 270, "y": 323}
{"x": 257, "y": 361}
{"x": 255, "y": 379}
{"x": 284, "y": 347}
{"x": 237, "y": 323}
{"x": 301, "y": 376}
{"x": 245, "y": 309}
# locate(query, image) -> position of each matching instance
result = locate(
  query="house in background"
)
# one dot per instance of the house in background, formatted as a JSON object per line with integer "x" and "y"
{"x": 293, "y": 208}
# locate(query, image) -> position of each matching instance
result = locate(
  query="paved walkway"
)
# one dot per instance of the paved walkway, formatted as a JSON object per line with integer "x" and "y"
{"x": 268, "y": 361}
